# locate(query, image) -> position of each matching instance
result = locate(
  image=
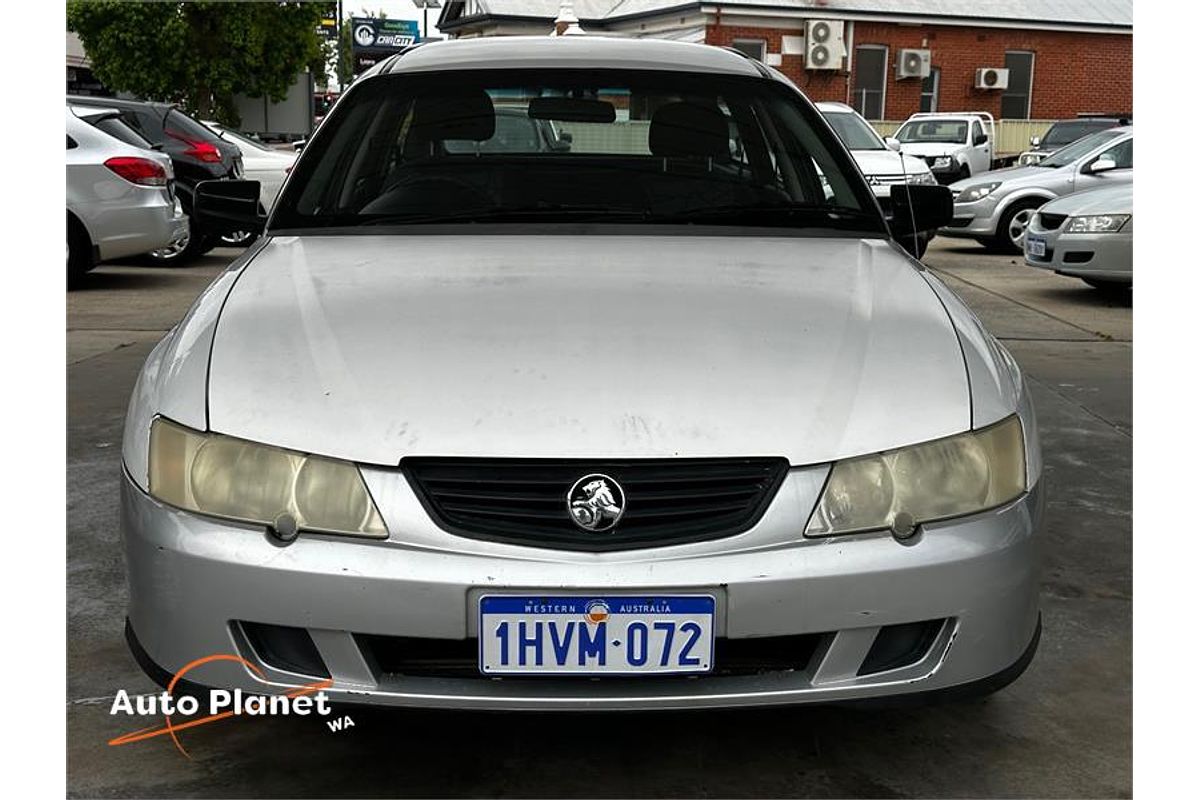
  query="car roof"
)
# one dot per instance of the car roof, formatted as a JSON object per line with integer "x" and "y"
{"x": 835, "y": 107}
{"x": 92, "y": 112}
{"x": 550, "y": 52}
{"x": 113, "y": 102}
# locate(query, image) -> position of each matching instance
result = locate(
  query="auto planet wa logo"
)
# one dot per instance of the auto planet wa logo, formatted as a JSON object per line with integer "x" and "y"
{"x": 220, "y": 704}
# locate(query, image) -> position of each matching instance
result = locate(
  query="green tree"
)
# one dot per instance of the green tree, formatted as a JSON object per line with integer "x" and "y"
{"x": 201, "y": 54}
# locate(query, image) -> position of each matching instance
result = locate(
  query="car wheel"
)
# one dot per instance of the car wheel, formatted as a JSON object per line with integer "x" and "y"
{"x": 1010, "y": 233}
{"x": 177, "y": 253}
{"x": 239, "y": 239}
{"x": 79, "y": 251}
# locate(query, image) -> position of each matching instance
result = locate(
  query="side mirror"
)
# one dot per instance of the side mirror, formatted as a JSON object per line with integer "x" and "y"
{"x": 299, "y": 145}
{"x": 981, "y": 139}
{"x": 566, "y": 136}
{"x": 1035, "y": 141}
{"x": 892, "y": 143}
{"x": 1100, "y": 165}
{"x": 921, "y": 206}
{"x": 227, "y": 207}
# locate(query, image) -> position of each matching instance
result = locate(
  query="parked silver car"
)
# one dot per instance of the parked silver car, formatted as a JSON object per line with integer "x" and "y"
{"x": 880, "y": 161}
{"x": 652, "y": 423}
{"x": 1088, "y": 235}
{"x": 994, "y": 208}
{"x": 120, "y": 196}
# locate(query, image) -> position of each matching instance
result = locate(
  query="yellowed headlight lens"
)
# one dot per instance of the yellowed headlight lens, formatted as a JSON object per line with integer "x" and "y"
{"x": 248, "y": 482}
{"x": 946, "y": 478}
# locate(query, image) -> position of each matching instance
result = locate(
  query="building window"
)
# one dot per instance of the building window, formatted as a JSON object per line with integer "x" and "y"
{"x": 755, "y": 48}
{"x": 870, "y": 78}
{"x": 929, "y": 90}
{"x": 1014, "y": 103}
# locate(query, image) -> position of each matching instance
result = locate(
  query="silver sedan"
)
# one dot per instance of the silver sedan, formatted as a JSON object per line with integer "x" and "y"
{"x": 1087, "y": 235}
{"x": 995, "y": 207}
{"x": 662, "y": 421}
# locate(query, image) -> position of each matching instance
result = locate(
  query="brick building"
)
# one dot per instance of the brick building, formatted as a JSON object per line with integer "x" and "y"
{"x": 1063, "y": 57}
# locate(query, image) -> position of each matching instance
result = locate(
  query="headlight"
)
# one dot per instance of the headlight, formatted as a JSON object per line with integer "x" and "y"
{"x": 921, "y": 178}
{"x": 943, "y": 162}
{"x": 1098, "y": 223}
{"x": 239, "y": 480}
{"x": 977, "y": 192}
{"x": 946, "y": 478}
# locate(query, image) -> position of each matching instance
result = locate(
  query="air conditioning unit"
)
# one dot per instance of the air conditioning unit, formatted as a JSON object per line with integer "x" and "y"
{"x": 824, "y": 45}
{"x": 991, "y": 78}
{"x": 912, "y": 64}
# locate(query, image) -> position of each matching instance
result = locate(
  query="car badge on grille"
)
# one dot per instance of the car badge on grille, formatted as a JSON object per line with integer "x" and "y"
{"x": 874, "y": 181}
{"x": 596, "y": 503}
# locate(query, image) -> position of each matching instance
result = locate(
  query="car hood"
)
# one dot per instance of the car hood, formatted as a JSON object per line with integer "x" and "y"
{"x": 930, "y": 148}
{"x": 887, "y": 162}
{"x": 1109, "y": 200}
{"x": 376, "y": 347}
{"x": 1009, "y": 176}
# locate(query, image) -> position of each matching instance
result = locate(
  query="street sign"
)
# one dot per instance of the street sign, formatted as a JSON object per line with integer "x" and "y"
{"x": 328, "y": 28}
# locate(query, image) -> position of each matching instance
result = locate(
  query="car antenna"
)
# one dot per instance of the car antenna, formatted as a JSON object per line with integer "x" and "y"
{"x": 912, "y": 215}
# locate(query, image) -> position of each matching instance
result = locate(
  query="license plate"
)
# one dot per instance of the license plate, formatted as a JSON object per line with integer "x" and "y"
{"x": 595, "y": 634}
{"x": 1035, "y": 246}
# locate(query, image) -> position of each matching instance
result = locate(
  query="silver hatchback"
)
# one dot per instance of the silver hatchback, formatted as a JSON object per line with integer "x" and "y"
{"x": 664, "y": 418}
{"x": 995, "y": 207}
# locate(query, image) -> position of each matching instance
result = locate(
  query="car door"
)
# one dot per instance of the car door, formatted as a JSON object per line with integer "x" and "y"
{"x": 1121, "y": 154}
{"x": 981, "y": 149}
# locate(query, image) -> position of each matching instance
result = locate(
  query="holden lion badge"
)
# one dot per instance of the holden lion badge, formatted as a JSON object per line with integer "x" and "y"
{"x": 595, "y": 503}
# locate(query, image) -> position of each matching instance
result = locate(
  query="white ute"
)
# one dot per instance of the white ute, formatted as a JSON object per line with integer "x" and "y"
{"x": 955, "y": 146}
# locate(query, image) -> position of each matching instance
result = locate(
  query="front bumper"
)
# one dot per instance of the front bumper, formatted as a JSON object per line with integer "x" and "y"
{"x": 194, "y": 581}
{"x": 974, "y": 220}
{"x": 1102, "y": 256}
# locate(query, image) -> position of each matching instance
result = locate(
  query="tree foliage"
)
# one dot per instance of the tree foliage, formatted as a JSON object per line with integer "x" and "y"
{"x": 201, "y": 54}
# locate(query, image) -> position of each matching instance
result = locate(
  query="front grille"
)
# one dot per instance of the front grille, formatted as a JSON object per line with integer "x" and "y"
{"x": 418, "y": 657}
{"x": 524, "y": 501}
{"x": 1051, "y": 222}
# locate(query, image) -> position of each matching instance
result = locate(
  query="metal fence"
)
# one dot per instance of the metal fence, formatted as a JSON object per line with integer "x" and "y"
{"x": 1012, "y": 135}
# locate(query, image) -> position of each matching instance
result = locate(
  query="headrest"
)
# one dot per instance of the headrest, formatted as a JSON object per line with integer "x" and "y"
{"x": 454, "y": 115}
{"x": 689, "y": 129}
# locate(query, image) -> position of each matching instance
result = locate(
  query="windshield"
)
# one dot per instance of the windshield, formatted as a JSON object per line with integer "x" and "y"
{"x": 854, "y": 132}
{"x": 1077, "y": 150}
{"x": 944, "y": 131}
{"x": 620, "y": 146}
{"x": 1063, "y": 133}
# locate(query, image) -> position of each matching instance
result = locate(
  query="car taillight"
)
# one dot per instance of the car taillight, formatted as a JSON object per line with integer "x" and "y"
{"x": 197, "y": 148}
{"x": 142, "y": 171}
{"x": 204, "y": 151}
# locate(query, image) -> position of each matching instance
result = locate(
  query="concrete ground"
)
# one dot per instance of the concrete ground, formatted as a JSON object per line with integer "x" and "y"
{"x": 1064, "y": 729}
